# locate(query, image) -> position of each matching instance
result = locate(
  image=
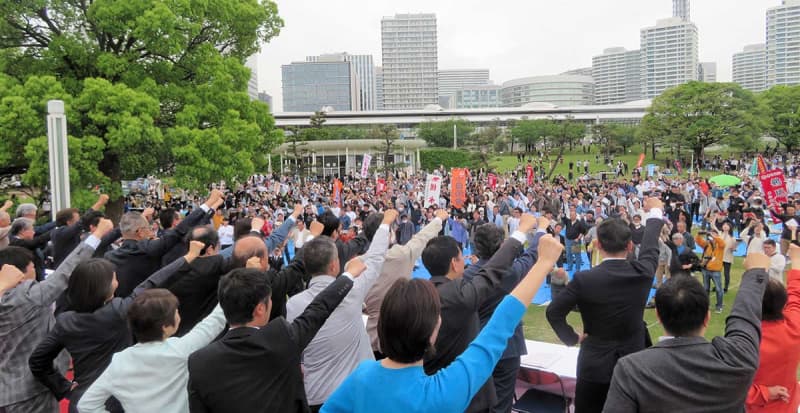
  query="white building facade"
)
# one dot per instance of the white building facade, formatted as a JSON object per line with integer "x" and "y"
{"x": 617, "y": 76}
{"x": 750, "y": 67}
{"x": 559, "y": 90}
{"x": 783, "y": 44}
{"x": 410, "y": 61}
{"x": 669, "y": 55}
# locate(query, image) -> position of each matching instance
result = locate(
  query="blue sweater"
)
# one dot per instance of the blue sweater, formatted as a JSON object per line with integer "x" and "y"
{"x": 373, "y": 387}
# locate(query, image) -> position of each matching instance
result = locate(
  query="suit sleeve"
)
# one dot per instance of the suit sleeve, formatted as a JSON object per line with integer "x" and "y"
{"x": 648, "y": 251}
{"x": 202, "y": 334}
{"x": 41, "y": 364}
{"x": 620, "y": 398}
{"x": 46, "y": 292}
{"x": 522, "y": 264}
{"x": 158, "y": 279}
{"x": 305, "y": 326}
{"x": 560, "y": 307}
{"x": 373, "y": 260}
{"x": 290, "y": 279}
{"x": 740, "y": 346}
{"x": 413, "y": 248}
{"x": 277, "y": 237}
{"x": 474, "y": 292}
{"x": 40, "y": 241}
{"x": 196, "y": 403}
{"x": 106, "y": 241}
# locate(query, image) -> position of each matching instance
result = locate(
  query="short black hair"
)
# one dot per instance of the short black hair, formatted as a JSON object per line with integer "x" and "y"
{"x": 240, "y": 291}
{"x": 318, "y": 254}
{"x": 89, "y": 285}
{"x": 613, "y": 235}
{"x": 150, "y": 312}
{"x": 241, "y": 227}
{"x": 775, "y": 297}
{"x": 439, "y": 253}
{"x": 371, "y": 225}
{"x": 17, "y": 256}
{"x": 488, "y": 239}
{"x": 92, "y": 218}
{"x": 770, "y": 241}
{"x": 65, "y": 215}
{"x": 167, "y": 217}
{"x": 408, "y": 316}
{"x": 330, "y": 223}
{"x": 682, "y": 305}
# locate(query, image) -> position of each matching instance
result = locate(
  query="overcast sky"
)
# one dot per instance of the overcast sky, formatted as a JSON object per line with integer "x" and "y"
{"x": 512, "y": 38}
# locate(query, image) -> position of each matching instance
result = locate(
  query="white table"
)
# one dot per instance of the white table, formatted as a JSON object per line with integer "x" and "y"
{"x": 554, "y": 358}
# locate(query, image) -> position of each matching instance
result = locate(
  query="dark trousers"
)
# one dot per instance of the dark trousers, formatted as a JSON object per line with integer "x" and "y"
{"x": 505, "y": 379}
{"x": 726, "y": 272}
{"x": 315, "y": 408}
{"x": 590, "y": 396}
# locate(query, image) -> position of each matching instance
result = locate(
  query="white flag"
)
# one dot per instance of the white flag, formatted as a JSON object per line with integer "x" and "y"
{"x": 433, "y": 188}
{"x": 365, "y": 166}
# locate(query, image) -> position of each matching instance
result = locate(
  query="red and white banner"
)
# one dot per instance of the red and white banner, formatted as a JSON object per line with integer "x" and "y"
{"x": 529, "y": 174}
{"x": 492, "y": 181}
{"x": 641, "y": 159}
{"x": 773, "y": 184}
{"x": 337, "y": 192}
{"x": 433, "y": 189}
{"x": 458, "y": 187}
{"x": 678, "y": 166}
{"x": 365, "y": 165}
{"x": 380, "y": 185}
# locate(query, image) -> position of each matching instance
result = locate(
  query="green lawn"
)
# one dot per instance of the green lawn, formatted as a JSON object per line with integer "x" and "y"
{"x": 537, "y": 328}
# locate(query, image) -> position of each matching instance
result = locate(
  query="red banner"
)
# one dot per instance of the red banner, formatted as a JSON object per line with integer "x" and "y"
{"x": 641, "y": 159}
{"x": 492, "y": 181}
{"x": 678, "y": 166}
{"x": 773, "y": 184}
{"x": 337, "y": 192}
{"x": 458, "y": 187}
{"x": 762, "y": 166}
{"x": 529, "y": 173}
{"x": 380, "y": 185}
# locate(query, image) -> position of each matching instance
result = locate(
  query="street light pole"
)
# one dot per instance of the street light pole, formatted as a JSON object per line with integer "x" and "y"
{"x": 455, "y": 134}
{"x": 59, "y": 156}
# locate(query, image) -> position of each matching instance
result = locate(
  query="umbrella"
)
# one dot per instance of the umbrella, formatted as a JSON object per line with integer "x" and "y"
{"x": 725, "y": 180}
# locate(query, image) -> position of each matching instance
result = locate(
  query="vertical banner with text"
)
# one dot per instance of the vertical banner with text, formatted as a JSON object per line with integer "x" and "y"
{"x": 433, "y": 189}
{"x": 773, "y": 184}
{"x": 458, "y": 187}
{"x": 337, "y": 192}
{"x": 365, "y": 165}
{"x": 529, "y": 174}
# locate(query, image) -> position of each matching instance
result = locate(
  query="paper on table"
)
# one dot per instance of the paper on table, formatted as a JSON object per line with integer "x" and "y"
{"x": 542, "y": 360}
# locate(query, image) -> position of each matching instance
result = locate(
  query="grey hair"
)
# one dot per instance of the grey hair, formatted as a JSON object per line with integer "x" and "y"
{"x": 131, "y": 222}
{"x": 20, "y": 224}
{"x": 26, "y": 209}
{"x": 676, "y": 236}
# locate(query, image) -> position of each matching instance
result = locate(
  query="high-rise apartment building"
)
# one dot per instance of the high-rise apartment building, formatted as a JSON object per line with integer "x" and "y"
{"x": 617, "y": 76}
{"x": 783, "y": 44}
{"x": 311, "y": 86}
{"x": 410, "y": 61}
{"x": 252, "y": 84}
{"x": 365, "y": 69}
{"x": 669, "y": 55}
{"x": 266, "y": 98}
{"x": 680, "y": 9}
{"x": 707, "y": 72}
{"x": 379, "y": 88}
{"x": 750, "y": 67}
{"x": 581, "y": 71}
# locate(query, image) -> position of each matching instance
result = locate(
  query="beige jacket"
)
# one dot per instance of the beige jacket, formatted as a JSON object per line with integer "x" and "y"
{"x": 399, "y": 264}
{"x": 4, "y": 236}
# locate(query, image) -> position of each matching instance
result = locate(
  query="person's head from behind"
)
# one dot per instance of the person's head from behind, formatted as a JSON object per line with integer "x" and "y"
{"x": 321, "y": 257}
{"x": 26, "y": 211}
{"x": 409, "y": 320}
{"x": 92, "y": 220}
{"x": 371, "y": 224}
{"x": 208, "y": 236}
{"x": 248, "y": 247}
{"x": 153, "y": 315}
{"x": 245, "y": 297}
{"x": 775, "y": 297}
{"x": 135, "y": 226}
{"x": 19, "y": 257}
{"x": 91, "y": 285}
{"x": 67, "y": 216}
{"x": 169, "y": 218}
{"x": 331, "y": 224}
{"x": 682, "y": 307}
{"x": 614, "y": 238}
{"x": 488, "y": 238}
{"x": 22, "y": 228}
{"x": 442, "y": 256}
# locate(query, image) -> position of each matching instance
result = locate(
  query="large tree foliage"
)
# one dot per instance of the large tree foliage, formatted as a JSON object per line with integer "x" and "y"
{"x": 149, "y": 87}
{"x": 565, "y": 133}
{"x": 697, "y": 115}
{"x": 782, "y": 106}
{"x": 530, "y": 132}
{"x": 440, "y": 134}
{"x": 613, "y": 137}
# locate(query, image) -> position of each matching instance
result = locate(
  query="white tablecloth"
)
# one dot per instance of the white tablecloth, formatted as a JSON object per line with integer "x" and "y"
{"x": 553, "y": 358}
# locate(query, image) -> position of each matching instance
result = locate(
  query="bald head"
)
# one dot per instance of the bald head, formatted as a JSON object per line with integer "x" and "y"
{"x": 248, "y": 247}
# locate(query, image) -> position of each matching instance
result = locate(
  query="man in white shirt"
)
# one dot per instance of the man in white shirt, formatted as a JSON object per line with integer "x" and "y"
{"x": 777, "y": 261}
{"x": 300, "y": 235}
{"x": 225, "y": 233}
{"x": 513, "y": 222}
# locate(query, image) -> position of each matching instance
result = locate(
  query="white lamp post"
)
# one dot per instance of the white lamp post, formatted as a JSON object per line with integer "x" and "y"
{"x": 59, "y": 156}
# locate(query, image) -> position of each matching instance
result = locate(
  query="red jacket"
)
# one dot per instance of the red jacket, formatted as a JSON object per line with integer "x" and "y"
{"x": 780, "y": 355}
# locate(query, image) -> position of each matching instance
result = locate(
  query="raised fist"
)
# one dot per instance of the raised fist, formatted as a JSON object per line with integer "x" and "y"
{"x": 652, "y": 202}
{"x": 104, "y": 226}
{"x": 389, "y": 216}
{"x": 355, "y": 267}
{"x": 757, "y": 260}
{"x": 441, "y": 214}
{"x": 316, "y": 228}
{"x": 549, "y": 249}
{"x": 194, "y": 248}
{"x": 526, "y": 223}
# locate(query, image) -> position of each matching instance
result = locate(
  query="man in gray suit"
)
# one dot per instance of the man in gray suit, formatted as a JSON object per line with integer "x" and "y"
{"x": 26, "y": 317}
{"x": 684, "y": 371}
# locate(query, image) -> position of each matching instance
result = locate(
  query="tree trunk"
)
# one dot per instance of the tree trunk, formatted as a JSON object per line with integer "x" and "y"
{"x": 109, "y": 166}
{"x": 555, "y": 164}
{"x": 653, "y": 149}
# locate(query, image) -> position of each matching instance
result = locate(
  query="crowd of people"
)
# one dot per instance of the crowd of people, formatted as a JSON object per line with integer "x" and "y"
{"x": 253, "y": 297}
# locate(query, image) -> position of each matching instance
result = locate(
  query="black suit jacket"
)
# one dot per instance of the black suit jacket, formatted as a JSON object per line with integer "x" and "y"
{"x": 136, "y": 260}
{"x": 611, "y": 297}
{"x": 258, "y": 370}
{"x": 461, "y": 299}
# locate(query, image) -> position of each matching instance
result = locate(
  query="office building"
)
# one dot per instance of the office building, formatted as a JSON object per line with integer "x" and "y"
{"x": 452, "y": 80}
{"x": 410, "y": 61}
{"x": 475, "y": 97}
{"x": 252, "y": 84}
{"x": 311, "y": 86}
{"x": 365, "y": 69}
{"x": 559, "y": 90}
{"x": 668, "y": 54}
{"x": 617, "y": 76}
{"x": 783, "y": 44}
{"x": 379, "y": 88}
{"x": 266, "y": 98}
{"x": 750, "y": 67}
{"x": 680, "y": 9}
{"x": 707, "y": 72}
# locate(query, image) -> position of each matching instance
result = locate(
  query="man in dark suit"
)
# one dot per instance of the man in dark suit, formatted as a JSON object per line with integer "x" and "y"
{"x": 69, "y": 227}
{"x": 461, "y": 299}
{"x": 611, "y": 297}
{"x": 139, "y": 256}
{"x": 256, "y": 365}
{"x": 685, "y": 372}
{"x": 357, "y": 245}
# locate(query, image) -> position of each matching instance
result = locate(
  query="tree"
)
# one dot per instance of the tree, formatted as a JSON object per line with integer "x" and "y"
{"x": 387, "y": 134}
{"x": 530, "y": 132}
{"x": 565, "y": 134}
{"x": 440, "y": 134}
{"x": 613, "y": 137}
{"x": 149, "y": 87}
{"x": 298, "y": 148}
{"x": 487, "y": 138}
{"x": 782, "y": 107}
{"x": 698, "y": 115}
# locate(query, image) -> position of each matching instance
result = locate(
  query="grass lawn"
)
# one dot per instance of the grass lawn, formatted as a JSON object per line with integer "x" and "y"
{"x": 537, "y": 328}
